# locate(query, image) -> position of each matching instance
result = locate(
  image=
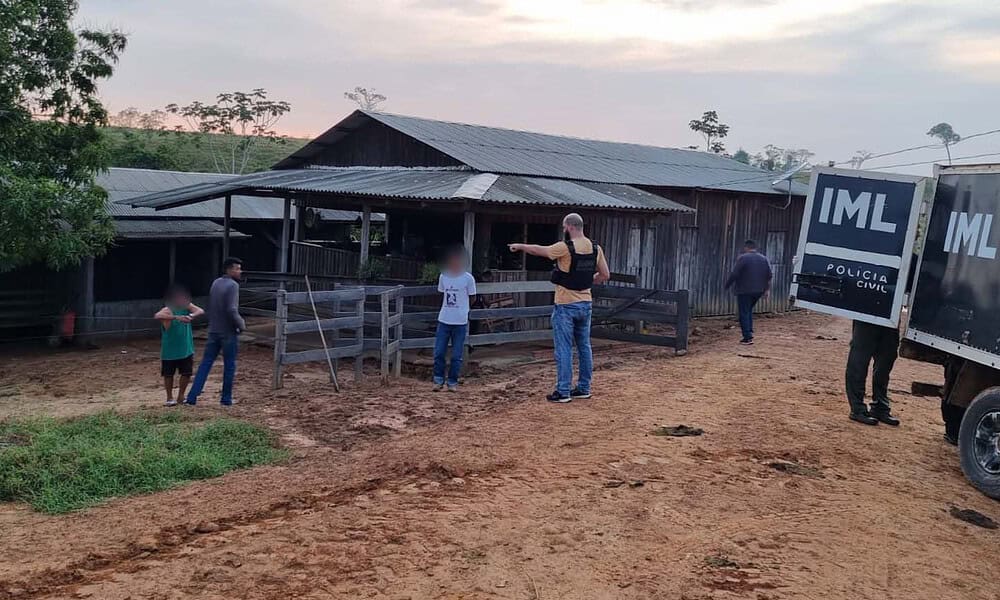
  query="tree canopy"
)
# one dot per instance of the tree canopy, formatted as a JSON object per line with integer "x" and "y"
{"x": 712, "y": 130}
{"x": 50, "y": 144}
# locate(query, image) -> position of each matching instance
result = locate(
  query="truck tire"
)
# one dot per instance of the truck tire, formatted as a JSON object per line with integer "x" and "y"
{"x": 979, "y": 442}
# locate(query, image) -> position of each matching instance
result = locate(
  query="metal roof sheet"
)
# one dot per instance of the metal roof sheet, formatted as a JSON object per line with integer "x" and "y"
{"x": 506, "y": 151}
{"x": 439, "y": 184}
{"x": 159, "y": 229}
{"x": 125, "y": 184}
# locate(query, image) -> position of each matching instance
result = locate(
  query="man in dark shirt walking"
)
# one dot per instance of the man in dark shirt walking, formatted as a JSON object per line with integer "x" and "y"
{"x": 224, "y": 326}
{"x": 751, "y": 278}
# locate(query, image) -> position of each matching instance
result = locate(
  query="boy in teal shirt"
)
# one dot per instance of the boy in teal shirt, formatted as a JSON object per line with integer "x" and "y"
{"x": 176, "y": 340}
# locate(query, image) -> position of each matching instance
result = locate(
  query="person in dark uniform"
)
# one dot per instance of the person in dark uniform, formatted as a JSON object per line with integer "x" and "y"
{"x": 878, "y": 345}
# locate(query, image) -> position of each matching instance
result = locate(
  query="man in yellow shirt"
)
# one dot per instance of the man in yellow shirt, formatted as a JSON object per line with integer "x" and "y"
{"x": 579, "y": 264}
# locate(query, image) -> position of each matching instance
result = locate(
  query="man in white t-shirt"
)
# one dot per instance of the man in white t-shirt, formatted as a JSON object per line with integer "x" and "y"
{"x": 457, "y": 287}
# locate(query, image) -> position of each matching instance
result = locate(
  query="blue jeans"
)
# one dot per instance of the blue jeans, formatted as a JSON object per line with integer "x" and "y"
{"x": 571, "y": 324}
{"x": 745, "y": 304}
{"x": 217, "y": 342}
{"x": 455, "y": 335}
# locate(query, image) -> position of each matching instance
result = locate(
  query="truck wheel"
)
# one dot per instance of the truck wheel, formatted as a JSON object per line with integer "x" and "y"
{"x": 979, "y": 442}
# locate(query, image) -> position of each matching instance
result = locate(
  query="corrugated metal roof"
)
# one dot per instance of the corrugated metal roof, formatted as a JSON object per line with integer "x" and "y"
{"x": 438, "y": 184}
{"x": 160, "y": 229}
{"x": 124, "y": 184}
{"x": 506, "y": 151}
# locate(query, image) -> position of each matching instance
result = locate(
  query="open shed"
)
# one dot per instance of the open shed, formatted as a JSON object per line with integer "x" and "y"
{"x": 667, "y": 218}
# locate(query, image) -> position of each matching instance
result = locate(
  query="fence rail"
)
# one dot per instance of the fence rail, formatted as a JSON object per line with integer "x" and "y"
{"x": 351, "y": 311}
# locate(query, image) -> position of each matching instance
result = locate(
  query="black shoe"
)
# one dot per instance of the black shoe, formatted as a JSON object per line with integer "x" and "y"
{"x": 558, "y": 398}
{"x": 864, "y": 417}
{"x": 576, "y": 394}
{"x": 747, "y": 342}
{"x": 884, "y": 417}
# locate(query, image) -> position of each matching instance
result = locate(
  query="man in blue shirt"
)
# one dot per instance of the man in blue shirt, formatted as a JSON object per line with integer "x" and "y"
{"x": 224, "y": 326}
{"x": 751, "y": 278}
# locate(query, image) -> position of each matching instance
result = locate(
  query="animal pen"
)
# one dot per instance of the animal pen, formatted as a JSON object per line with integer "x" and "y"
{"x": 380, "y": 322}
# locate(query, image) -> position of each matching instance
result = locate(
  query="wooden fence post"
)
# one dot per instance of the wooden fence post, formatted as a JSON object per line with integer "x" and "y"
{"x": 384, "y": 342}
{"x": 398, "y": 358}
{"x": 335, "y": 334}
{"x": 280, "y": 318}
{"x": 683, "y": 321}
{"x": 359, "y": 338}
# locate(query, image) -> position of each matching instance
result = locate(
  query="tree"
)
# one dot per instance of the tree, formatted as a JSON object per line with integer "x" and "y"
{"x": 859, "y": 158}
{"x": 132, "y": 118}
{"x": 50, "y": 143}
{"x": 712, "y": 130}
{"x": 742, "y": 156}
{"x": 777, "y": 159}
{"x": 237, "y": 122}
{"x": 366, "y": 99}
{"x": 947, "y": 135}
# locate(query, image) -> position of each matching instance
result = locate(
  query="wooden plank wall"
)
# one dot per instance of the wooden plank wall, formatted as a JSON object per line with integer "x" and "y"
{"x": 708, "y": 244}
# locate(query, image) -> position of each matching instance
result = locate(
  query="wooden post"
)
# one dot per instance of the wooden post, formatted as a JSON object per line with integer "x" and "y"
{"x": 335, "y": 334}
{"x": 366, "y": 233}
{"x": 172, "y": 270}
{"x": 280, "y": 338}
{"x": 359, "y": 339}
{"x": 226, "y": 219}
{"x": 87, "y": 300}
{"x": 398, "y": 359}
{"x": 683, "y": 320}
{"x": 299, "y": 233}
{"x": 469, "y": 235}
{"x": 384, "y": 344}
{"x": 282, "y": 264}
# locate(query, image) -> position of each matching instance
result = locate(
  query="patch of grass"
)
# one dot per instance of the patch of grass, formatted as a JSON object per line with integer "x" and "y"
{"x": 63, "y": 465}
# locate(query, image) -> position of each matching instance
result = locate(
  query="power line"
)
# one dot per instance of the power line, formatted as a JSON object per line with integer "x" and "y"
{"x": 928, "y": 162}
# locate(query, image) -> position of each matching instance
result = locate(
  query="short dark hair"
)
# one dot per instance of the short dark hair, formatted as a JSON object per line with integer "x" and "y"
{"x": 176, "y": 289}
{"x": 230, "y": 261}
{"x": 750, "y": 244}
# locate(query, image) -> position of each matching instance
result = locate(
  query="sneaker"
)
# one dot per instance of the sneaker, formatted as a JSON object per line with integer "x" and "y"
{"x": 190, "y": 402}
{"x": 558, "y": 398}
{"x": 170, "y": 402}
{"x": 438, "y": 387}
{"x": 576, "y": 394}
{"x": 452, "y": 387}
{"x": 226, "y": 402}
{"x": 747, "y": 342}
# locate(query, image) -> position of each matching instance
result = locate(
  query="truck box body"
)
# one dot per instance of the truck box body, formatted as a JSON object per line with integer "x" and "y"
{"x": 955, "y": 304}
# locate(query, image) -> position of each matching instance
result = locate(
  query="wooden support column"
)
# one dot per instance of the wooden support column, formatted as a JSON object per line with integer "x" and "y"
{"x": 469, "y": 233}
{"x": 300, "y": 231}
{"x": 226, "y": 219}
{"x": 286, "y": 218}
{"x": 172, "y": 270}
{"x": 86, "y": 300}
{"x": 366, "y": 233}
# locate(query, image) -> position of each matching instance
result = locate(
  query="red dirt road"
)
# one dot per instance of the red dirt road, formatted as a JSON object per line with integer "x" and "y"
{"x": 395, "y": 492}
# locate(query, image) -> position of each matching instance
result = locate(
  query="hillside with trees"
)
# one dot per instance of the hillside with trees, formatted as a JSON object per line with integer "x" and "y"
{"x": 141, "y": 148}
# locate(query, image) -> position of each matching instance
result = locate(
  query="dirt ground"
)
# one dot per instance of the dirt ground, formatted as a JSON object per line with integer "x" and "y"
{"x": 397, "y": 492}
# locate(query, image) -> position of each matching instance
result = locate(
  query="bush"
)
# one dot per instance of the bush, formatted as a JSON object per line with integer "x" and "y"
{"x": 429, "y": 273}
{"x": 63, "y": 465}
{"x": 374, "y": 268}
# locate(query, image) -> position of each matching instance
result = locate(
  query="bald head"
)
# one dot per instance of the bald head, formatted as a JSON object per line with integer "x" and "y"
{"x": 573, "y": 225}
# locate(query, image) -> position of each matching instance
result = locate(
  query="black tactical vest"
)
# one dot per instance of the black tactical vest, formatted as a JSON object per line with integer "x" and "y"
{"x": 581, "y": 269}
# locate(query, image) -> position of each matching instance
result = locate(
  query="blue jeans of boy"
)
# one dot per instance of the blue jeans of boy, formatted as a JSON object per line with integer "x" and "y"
{"x": 217, "y": 342}
{"x": 745, "y": 304}
{"x": 455, "y": 336}
{"x": 571, "y": 324}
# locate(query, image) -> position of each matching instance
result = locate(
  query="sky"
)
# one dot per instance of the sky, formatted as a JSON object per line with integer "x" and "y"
{"x": 832, "y": 77}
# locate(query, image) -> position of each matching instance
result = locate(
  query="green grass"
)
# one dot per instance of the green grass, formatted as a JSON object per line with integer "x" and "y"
{"x": 63, "y": 465}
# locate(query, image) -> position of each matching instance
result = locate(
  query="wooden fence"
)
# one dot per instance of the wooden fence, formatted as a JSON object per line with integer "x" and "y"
{"x": 620, "y": 313}
{"x": 333, "y": 262}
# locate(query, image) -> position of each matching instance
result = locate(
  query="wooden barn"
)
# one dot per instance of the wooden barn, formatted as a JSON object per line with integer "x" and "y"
{"x": 667, "y": 218}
